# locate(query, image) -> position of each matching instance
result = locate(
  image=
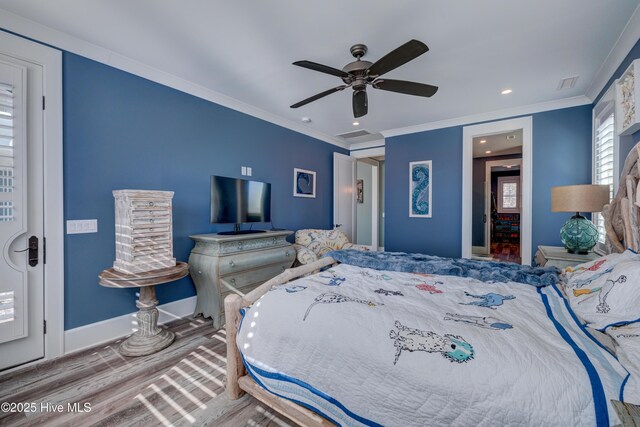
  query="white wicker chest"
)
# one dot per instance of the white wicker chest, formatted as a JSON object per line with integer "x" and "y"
{"x": 144, "y": 231}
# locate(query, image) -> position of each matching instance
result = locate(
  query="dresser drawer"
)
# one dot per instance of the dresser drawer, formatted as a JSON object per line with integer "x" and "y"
{"x": 247, "y": 280}
{"x": 150, "y": 220}
{"x": 150, "y": 230}
{"x": 150, "y": 204}
{"x": 249, "y": 260}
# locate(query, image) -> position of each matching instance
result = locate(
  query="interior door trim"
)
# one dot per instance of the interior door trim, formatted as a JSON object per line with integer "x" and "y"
{"x": 51, "y": 62}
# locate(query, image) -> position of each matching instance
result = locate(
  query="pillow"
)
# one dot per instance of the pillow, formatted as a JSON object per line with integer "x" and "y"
{"x": 606, "y": 292}
{"x": 591, "y": 268}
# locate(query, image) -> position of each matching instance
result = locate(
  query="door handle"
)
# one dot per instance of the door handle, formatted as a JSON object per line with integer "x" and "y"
{"x": 337, "y": 225}
{"x": 484, "y": 218}
{"x": 33, "y": 251}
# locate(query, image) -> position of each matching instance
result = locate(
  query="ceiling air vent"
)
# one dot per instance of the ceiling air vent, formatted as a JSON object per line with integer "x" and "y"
{"x": 567, "y": 83}
{"x": 354, "y": 134}
{"x": 509, "y": 137}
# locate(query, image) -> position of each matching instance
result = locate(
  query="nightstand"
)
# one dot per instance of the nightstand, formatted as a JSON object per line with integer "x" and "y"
{"x": 629, "y": 414}
{"x": 557, "y": 256}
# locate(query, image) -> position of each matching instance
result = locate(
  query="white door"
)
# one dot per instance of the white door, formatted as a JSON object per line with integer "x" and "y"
{"x": 344, "y": 206}
{"x": 21, "y": 213}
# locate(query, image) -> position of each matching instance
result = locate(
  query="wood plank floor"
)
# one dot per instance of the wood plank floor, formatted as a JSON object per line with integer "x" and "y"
{"x": 182, "y": 385}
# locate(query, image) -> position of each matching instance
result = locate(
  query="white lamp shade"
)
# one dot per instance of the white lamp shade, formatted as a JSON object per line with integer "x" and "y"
{"x": 579, "y": 198}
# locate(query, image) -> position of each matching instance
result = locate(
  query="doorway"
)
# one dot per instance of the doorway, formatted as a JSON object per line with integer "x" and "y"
{"x": 496, "y": 197}
{"x": 31, "y": 296}
{"x": 496, "y": 216}
{"x": 358, "y": 196}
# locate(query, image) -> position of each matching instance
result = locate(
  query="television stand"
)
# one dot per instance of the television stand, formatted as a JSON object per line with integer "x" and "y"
{"x": 235, "y": 232}
{"x": 225, "y": 264}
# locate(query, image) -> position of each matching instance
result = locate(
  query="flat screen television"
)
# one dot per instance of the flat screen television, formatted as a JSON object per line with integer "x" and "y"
{"x": 236, "y": 201}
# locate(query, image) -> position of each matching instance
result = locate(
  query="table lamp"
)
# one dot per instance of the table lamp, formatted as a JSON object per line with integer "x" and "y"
{"x": 578, "y": 234}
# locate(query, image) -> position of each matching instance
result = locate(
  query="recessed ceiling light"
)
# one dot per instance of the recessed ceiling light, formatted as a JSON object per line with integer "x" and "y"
{"x": 506, "y": 91}
{"x": 482, "y": 141}
{"x": 356, "y": 123}
{"x": 306, "y": 120}
{"x": 488, "y": 152}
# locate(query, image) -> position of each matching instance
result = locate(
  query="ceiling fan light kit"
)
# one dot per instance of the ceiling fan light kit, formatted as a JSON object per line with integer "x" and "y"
{"x": 360, "y": 73}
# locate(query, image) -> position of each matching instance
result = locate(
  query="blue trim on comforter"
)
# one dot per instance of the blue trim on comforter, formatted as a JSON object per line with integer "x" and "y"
{"x": 485, "y": 271}
{"x": 599, "y": 398}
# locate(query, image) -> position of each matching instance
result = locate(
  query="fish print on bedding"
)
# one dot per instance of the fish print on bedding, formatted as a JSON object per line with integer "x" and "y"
{"x": 360, "y": 356}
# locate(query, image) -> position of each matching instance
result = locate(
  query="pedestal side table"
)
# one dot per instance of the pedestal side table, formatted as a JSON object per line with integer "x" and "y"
{"x": 149, "y": 338}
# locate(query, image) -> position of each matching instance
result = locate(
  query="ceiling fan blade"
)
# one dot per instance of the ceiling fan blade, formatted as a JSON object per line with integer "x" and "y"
{"x": 402, "y": 86}
{"x": 360, "y": 103}
{"x": 405, "y": 53}
{"x": 318, "y": 96}
{"x": 321, "y": 68}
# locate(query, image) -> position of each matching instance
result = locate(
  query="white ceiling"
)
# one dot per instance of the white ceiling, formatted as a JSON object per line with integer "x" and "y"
{"x": 498, "y": 144}
{"x": 244, "y": 49}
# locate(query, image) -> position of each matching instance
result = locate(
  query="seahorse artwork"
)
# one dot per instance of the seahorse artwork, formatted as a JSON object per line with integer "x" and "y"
{"x": 388, "y": 293}
{"x": 479, "y": 321}
{"x": 369, "y": 275}
{"x": 430, "y": 288}
{"x": 289, "y": 288}
{"x": 333, "y": 298}
{"x": 584, "y": 282}
{"x": 452, "y": 347}
{"x": 603, "y": 292}
{"x": 334, "y": 280}
{"x": 489, "y": 300}
{"x": 420, "y": 190}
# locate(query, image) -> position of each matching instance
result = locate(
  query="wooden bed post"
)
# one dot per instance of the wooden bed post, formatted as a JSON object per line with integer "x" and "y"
{"x": 235, "y": 367}
{"x": 238, "y": 382}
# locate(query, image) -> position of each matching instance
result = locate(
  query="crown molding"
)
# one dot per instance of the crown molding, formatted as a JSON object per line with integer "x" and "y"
{"x": 491, "y": 116}
{"x": 628, "y": 38}
{"x": 41, "y": 33}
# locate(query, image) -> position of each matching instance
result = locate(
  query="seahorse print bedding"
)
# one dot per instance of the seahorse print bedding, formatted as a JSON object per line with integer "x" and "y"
{"x": 371, "y": 347}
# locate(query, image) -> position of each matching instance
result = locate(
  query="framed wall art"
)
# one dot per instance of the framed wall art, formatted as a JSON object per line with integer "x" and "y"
{"x": 304, "y": 183}
{"x": 420, "y": 183}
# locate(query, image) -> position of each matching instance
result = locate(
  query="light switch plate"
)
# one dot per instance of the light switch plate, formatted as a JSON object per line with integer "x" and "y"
{"x": 243, "y": 170}
{"x": 81, "y": 226}
{"x": 248, "y": 171}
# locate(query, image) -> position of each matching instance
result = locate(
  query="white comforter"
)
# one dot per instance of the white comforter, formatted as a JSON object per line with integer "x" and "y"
{"x": 368, "y": 347}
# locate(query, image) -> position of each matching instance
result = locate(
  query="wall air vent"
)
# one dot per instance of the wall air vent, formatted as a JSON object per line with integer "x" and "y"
{"x": 510, "y": 137}
{"x": 567, "y": 83}
{"x": 354, "y": 134}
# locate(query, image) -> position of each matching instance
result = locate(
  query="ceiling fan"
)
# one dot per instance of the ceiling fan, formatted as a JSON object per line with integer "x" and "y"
{"x": 359, "y": 73}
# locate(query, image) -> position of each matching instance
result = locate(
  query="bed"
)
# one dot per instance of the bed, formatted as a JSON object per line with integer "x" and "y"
{"x": 343, "y": 343}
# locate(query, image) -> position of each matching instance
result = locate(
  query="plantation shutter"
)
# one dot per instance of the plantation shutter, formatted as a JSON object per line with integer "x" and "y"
{"x": 604, "y": 156}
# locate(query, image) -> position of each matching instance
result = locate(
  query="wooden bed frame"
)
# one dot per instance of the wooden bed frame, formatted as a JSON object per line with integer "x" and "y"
{"x": 238, "y": 381}
{"x": 622, "y": 224}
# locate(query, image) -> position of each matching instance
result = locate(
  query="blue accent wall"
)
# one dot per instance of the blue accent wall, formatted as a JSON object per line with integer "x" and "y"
{"x": 561, "y": 156}
{"x": 125, "y": 132}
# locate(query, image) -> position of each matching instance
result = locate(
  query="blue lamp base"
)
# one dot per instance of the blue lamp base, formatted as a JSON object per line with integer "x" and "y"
{"x": 579, "y": 235}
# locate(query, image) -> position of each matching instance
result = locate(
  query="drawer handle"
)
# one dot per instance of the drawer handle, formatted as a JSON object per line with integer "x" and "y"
{"x": 152, "y": 220}
{"x": 232, "y": 264}
{"x": 233, "y": 281}
{"x": 286, "y": 253}
{"x": 150, "y": 203}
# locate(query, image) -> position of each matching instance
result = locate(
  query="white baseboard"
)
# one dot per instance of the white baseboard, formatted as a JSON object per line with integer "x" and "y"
{"x": 107, "y": 330}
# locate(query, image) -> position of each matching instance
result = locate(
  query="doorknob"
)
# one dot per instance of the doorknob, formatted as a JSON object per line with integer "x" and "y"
{"x": 337, "y": 225}
{"x": 33, "y": 251}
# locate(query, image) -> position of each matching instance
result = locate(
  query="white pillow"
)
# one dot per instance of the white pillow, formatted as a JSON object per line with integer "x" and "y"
{"x": 606, "y": 292}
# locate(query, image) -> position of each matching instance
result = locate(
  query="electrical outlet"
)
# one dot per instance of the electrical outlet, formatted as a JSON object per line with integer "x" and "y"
{"x": 82, "y": 226}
